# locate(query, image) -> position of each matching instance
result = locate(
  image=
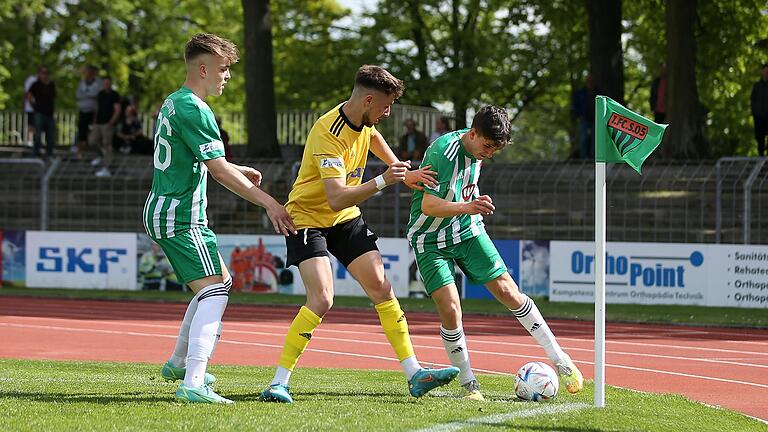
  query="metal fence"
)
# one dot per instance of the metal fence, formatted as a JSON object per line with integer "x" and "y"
{"x": 292, "y": 126}
{"x": 695, "y": 201}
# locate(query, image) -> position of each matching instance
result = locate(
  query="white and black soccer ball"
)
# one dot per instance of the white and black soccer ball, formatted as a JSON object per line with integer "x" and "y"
{"x": 536, "y": 381}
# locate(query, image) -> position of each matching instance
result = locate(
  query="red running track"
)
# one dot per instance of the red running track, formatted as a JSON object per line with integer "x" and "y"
{"x": 718, "y": 366}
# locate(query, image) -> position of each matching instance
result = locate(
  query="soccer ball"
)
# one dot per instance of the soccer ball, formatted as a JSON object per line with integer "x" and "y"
{"x": 536, "y": 381}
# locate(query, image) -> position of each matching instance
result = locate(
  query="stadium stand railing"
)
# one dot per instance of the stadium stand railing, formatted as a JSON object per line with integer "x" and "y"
{"x": 292, "y": 125}
{"x": 673, "y": 201}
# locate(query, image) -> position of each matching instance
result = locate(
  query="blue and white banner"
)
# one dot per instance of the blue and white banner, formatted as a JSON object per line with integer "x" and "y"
{"x": 257, "y": 263}
{"x": 82, "y": 260}
{"x": 662, "y": 273}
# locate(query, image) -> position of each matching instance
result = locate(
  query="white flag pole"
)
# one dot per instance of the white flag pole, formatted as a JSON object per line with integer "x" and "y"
{"x": 600, "y": 284}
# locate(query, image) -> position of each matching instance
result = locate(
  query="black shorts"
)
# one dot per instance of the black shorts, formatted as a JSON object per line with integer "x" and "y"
{"x": 346, "y": 241}
{"x": 84, "y": 122}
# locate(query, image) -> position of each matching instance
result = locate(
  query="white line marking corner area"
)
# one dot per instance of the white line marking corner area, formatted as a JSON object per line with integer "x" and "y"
{"x": 496, "y": 419}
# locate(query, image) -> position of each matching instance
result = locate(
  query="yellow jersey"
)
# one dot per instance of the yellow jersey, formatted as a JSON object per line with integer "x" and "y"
{"x": 335, "y": 148}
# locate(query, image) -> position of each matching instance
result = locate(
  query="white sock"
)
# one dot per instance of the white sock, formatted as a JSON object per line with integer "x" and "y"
{"x": 211, "y": 303}
{"x": 228, "y": 286}
{"x": 282, "y": 376}
{"x": 179, "y": 356}
{"x": 456, "y": 347}
{"x": 530, "y": 317}
{"x": 410, "y": 367}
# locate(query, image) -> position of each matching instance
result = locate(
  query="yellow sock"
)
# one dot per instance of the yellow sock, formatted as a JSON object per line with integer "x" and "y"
{"x": 396, "y": 328}
{"x": 298, "y": 337}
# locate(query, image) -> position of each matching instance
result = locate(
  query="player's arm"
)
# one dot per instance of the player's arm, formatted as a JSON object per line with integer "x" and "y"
{"x": 252, "y": 174}
{"x": 115, "y": 114}
{"x": 341, "y": 196}
{"x": 381, "y": 149}
{"x": 233, "y": 179}
{"x": 434, "y": 206}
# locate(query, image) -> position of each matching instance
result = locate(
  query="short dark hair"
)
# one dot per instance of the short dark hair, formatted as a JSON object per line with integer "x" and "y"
{"x": 492, "y": 122}
{"x": 207, "y": 43}
{"x": 378, "y": 78}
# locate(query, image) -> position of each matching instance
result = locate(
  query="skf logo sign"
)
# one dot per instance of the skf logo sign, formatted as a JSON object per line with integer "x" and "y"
{"x": 625, "y": 133}
{"x": 71, "y": 260}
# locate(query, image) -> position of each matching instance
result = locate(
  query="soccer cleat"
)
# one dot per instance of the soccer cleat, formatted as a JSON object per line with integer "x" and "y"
{"x": 426, "y": 379}
{"x": 202, "y": 394}
{"x": 276, "y": 393}
{"x": 570, "y": 375}
{"x": 171, "y": 373}
{"x": 471, "y": 391}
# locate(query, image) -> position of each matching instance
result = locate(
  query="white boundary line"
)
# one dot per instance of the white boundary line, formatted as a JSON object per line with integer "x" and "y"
{"x": 497, "y": 419}
{"x": 320, "y": 331}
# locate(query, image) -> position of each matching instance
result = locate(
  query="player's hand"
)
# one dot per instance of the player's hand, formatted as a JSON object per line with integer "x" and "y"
{"x": 396, "y": 172}
{"x": 252, "y": 174}
{"x": 422, "y": 175}
{"x": 281, "y": 220}
{"x": 481, "y": 205}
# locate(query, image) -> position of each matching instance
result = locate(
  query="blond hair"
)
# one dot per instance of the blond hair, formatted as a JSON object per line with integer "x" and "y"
{"x": 207, "y": 43}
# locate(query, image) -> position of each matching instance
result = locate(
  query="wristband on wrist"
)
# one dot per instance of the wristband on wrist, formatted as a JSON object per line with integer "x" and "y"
{"x": 380, "y": 183}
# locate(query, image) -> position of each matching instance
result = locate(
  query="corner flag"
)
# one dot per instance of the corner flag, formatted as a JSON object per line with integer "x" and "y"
{"x": 621, "y": 136}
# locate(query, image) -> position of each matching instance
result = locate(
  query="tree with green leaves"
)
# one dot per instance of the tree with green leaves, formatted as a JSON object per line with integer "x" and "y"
{"x": 259, "y": 80}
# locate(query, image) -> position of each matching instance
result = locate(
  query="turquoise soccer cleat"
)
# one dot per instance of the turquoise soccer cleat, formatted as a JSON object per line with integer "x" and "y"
{"x": 426, "y": 379}
{"x": 276, "y": 393}
{"x": 202, "y": 394}
{"x": 171, "y": 373}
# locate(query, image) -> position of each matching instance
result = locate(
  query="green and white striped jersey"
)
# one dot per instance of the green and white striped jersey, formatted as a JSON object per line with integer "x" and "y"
{"x": 186, "y": 134}
{"x": 458, "y": 173}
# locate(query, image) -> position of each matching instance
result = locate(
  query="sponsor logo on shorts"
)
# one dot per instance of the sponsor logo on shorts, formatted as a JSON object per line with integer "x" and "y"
{"x": 496, "y": 264}
{"x": 331, "y": 163}
{"x": 436, "y": 188}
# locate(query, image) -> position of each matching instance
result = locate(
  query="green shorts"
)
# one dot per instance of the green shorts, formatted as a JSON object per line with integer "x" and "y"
{"x": 477, "y": 258}
{"x": 193, "y": 254}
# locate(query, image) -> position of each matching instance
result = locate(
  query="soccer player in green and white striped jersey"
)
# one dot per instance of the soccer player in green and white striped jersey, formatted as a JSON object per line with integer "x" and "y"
{"x": 446, "y": 228}
{"x": 187, "y": 146}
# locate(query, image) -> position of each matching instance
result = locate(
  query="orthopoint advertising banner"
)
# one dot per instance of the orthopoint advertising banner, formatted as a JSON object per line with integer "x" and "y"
{"x": 662, "y": 273}
{"x": 738, "y": 276}
{"x": 82, "y": 260}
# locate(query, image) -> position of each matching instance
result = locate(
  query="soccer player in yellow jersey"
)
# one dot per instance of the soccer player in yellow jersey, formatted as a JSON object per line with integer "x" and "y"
{"x": 323, "y": 205}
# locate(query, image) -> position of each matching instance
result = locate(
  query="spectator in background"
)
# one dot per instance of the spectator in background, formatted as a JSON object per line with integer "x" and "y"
{"x": 442, "y": 127}
{"x": 225, "y": 140}
{"x": 413, "y": 143}
{"x": 130, "y": 134}
{"x": 103, "y": 129}
{"x": 658, "y": 98}
{"x": 29, "y": 110}
{"x": 759, "y": 100}
{"x": 86, "y": 94}
{"x": 583, "y": 111}
{"x": 42, "y": 96}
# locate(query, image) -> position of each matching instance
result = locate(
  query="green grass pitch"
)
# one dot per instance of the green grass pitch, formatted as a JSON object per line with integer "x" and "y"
{"x": 89, "y": 396}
